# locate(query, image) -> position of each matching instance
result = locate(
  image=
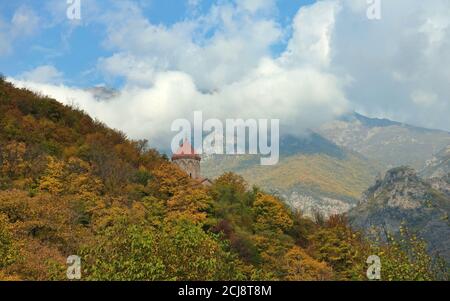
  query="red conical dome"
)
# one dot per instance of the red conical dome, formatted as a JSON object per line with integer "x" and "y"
{"x": 186, "y": 151}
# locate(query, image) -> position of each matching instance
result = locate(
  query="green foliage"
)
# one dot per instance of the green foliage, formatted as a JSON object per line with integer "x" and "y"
{"x": 301, "y": 266}
{"x": 232, "y": 201}
{"x": 128, "y": 256}
{"x": 177, "y": 251}
{"x": 341, "y": 248}
{"x": 7, "y": 248}
{"x": 405, "y": 258}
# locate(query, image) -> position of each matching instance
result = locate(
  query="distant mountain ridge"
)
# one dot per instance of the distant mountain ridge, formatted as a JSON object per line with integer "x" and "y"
{"x": 328, "y": 169}
{"x": 101, "y": 93}
{"x": 372, "y": 122}
{"x": 438, "y": 166}
{"x": 389, "y": 143}
{"x": 313, "y": 174}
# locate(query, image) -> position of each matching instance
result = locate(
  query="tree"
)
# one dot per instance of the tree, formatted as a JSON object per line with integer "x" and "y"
{"x": 79, "y": 179}
{"x": 233, "y": 181}
{"x": 404, "y": 257}
{"x": 12, "y": 159}
{"x": 168, "y": 180}
{"x": 8, "y": 252}
{"x": 175, "y": 251}
{"x": 302, "y": 228}
{"x": 300, "y": 266}
{"x": 53, "y": 179}
{"x": 271, "y": 214}
{"x": 190, "y": 204}
{"x": 341, "y": 248}
{"x": 272, "y": 246}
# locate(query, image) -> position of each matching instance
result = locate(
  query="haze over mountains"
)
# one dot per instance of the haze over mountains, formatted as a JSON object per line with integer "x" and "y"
{"x": 328, "y": 170}
{"x": 388, "y": 142}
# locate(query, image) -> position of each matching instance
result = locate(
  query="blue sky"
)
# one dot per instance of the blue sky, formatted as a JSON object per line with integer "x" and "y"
{"x": 74, "y": 47}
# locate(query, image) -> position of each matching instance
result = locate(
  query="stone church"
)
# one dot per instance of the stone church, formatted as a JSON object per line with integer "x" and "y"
{"x": 186, "y": 158}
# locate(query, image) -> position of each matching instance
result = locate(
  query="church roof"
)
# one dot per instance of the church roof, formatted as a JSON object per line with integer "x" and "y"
{"x": 205, "y": 181}
{"x": 185, "y": 151}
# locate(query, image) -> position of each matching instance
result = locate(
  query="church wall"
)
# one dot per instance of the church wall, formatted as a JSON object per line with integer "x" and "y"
{"x": 190, "y": 166}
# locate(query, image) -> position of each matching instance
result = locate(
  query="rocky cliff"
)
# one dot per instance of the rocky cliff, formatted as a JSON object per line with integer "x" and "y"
{"x": 402, "y": 197}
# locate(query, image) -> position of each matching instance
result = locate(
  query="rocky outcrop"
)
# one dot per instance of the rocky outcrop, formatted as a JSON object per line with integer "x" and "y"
{"x": 441, "y": 184}
{"x": 400, "y": 188}
{"x": 310, "y": 206}
{"x": 402, "y": 197}
{"x": 438, "y": 166}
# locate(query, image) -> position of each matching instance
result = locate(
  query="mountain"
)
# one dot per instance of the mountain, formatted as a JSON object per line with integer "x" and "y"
{"x": 438, "y": 166}
{"x": 387, "y": 142}
{"x": 101, "y": 93}
{"x": 402, "y": 197}
{"x": 313, "y": 174}
{"x": 328, "y": 169}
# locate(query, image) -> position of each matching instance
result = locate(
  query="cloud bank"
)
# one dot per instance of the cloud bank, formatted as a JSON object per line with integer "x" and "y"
{"x": 221, "y": 62}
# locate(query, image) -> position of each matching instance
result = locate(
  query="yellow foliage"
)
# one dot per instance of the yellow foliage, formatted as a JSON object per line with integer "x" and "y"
{"x": 233, "y": 180}
{"x": 52, "y": 180}
{"x": 80, "y": 180}
{"x": 13, "y": 161}
{"x": 271, "y": 214}
{"x": 7, "y": 277}
{"x": 300, "y": 266}
{"x": 271, "y": 248}
{"x": 189, "y": 204}
{"x": 168, "y": 180}
{"x": 347, "y": 177}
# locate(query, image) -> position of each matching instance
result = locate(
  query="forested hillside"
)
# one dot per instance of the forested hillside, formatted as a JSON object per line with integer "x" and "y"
{"x": 313, "y": 174}
{"x": 71, "y": 186}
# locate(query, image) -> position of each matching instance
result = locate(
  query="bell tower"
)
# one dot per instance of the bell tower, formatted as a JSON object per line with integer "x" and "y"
{"x": 186, "y": 158}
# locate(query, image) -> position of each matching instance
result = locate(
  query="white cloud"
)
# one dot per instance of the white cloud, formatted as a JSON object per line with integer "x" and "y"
{"x": 194, "y": 3}
{"x": 423, "y": 98}
{"x": 313, "y": 27}
{"x": 254, "y": 6}
{"x": 215, "y": 49}
{"x": 43, "y": 74}
{"x": 391, "y": 59}
{"x": 300, "y": 98}
{"x": 23, "y": 23}
{"x": 221, "y": 63}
